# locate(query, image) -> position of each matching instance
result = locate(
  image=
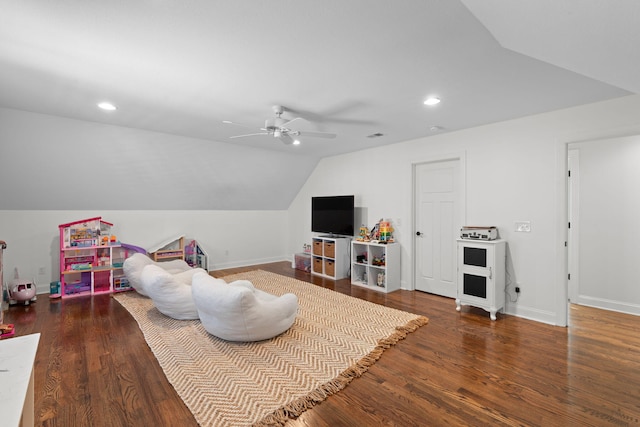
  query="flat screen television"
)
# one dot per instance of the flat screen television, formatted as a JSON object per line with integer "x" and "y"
{"x": 332, "y": 215}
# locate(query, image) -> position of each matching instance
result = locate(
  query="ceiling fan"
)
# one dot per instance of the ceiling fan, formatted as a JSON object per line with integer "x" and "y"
{"x": 280, "y": 128}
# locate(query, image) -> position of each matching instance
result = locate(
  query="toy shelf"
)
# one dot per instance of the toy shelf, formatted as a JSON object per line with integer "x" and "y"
{"x": 375, "y": 265}
{"x": 330, "y": 257}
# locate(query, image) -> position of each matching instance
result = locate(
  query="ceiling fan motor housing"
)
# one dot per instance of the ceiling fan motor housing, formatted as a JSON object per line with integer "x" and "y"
{"x": 275, "y": 125}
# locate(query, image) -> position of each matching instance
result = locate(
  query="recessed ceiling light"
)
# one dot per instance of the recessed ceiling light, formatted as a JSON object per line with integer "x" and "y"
{"x": 107, "y": 106}
{"x": 435, "y": 128}
{"x": 432, "y": 100}
{"x": 296, "y": 142}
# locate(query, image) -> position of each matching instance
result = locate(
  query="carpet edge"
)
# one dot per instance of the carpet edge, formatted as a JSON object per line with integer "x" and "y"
{"x": 297, "y": 407}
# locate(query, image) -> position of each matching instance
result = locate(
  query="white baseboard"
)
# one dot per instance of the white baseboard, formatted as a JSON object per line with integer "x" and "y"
{"x": 543, "y": 316}
{"x": 605, "y": 304}
{"x": 247, "y": 263}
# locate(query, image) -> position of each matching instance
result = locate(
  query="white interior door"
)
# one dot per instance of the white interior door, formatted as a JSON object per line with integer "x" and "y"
{"x": 437, "y": 219}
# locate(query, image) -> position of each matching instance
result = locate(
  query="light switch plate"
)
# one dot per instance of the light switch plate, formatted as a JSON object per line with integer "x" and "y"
{"x": 523, "y": 226}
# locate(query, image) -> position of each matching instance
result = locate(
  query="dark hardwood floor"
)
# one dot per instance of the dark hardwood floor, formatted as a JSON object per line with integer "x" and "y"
{"x": 93, "y": 368}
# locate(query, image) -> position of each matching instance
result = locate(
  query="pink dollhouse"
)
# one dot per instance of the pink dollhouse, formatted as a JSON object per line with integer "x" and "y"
{"x": 91, "y": 258}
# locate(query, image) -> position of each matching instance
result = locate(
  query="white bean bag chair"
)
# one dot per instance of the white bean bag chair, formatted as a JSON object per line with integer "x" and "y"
{"x": 237, "y": 311}
{"x": 171, "y": 293}
{"x": 133, "y": 266}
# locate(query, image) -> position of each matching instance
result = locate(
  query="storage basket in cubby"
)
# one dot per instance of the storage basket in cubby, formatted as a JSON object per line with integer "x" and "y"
{"x": 329, "y": 249}
{"x": 329, "y": 267}
{"x": 317, "y": 265}
{"x": 317, "y": 247}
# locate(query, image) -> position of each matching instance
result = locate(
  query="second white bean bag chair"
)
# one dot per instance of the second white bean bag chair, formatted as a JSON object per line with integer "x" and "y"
{"x": 171, "y": 293}
{"x": 237, "y": 311}
{"x": 133, "y": 266}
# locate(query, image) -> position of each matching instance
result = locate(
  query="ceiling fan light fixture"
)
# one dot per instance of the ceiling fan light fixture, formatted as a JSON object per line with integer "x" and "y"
{"x": 432, "y": 100}
{"x": 107, "y": 106}
{"x": 277, "y": 133}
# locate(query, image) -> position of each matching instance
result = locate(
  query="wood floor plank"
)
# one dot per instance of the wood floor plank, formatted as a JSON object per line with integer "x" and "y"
{"x": 94, "y": 368}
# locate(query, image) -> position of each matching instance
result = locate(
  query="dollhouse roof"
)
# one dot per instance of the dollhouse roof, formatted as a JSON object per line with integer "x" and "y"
{"x": 164, "y": 244}
{"x": 98, "y": 218}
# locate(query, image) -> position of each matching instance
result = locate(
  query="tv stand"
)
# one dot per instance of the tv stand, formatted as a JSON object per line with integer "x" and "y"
{"x": 330, "y": 257}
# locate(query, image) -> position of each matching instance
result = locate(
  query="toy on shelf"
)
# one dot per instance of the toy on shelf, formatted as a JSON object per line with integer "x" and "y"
{"x": 364, "y": 235}
{"x": 382, "y": 232}
{"x": 386, "y": 232}
{"x": 379, "y": 261}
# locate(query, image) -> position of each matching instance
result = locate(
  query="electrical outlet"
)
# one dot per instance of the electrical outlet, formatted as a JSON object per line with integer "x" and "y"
{"x": 41, "y": 271}
{"x": 523, "y": 226}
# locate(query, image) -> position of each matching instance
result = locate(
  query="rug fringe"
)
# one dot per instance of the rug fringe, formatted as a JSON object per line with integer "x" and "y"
{"x": 295, "y": 408}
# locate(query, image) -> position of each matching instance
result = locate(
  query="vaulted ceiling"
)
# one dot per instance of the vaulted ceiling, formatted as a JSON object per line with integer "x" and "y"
{"x": 355, "y": 68}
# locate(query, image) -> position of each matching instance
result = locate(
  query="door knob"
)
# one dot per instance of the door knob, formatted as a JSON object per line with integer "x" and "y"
{"x": 418, "y": 233}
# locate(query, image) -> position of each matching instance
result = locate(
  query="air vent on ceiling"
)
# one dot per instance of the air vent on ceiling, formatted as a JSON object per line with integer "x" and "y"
{"x": 375, "y": 135}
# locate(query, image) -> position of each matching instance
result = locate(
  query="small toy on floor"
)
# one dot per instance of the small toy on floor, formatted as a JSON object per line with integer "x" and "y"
{"x": 54, "y": 290}
{"x": 6, "y": 331}
{"x": 21, "y": 291}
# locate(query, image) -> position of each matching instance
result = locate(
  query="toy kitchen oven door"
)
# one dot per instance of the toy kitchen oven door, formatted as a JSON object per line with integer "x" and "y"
{"x": 481, "y": 275}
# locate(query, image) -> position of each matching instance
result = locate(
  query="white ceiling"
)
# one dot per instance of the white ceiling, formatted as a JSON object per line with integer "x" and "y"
{"x": 353, "y": 67}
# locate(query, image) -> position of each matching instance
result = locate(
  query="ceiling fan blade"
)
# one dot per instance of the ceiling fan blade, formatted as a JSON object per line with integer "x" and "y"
{"x": 286, "y": 124}
{"x": 286, "y": 138}
{"x": 249, "y": 134}
{"x": 329, "y": 116}
{"x": 316, "y": 134}
{"x": 227, "y": 122}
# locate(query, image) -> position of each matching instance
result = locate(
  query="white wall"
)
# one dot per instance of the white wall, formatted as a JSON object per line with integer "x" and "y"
{"x": 231, "y": 238}
{"x": 515, "y": 171}
{"x": 49, "y": 162}
{"x": 607, "y": 231}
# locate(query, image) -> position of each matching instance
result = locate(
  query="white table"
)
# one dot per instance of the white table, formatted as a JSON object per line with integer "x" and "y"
{"x": 16, "y": 380}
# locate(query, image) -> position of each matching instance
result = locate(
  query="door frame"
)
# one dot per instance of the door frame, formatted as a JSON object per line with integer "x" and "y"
{"x": 461, "y": 157}
{"x": 573, "y": 233}
{"x": 562, "y": 235}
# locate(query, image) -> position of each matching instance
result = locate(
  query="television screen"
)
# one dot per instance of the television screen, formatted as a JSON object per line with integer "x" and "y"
{"x": 332, "y": 214}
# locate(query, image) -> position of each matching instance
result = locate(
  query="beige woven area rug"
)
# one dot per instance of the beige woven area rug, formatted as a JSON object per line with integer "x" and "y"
{"x": 334, "y": 339}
